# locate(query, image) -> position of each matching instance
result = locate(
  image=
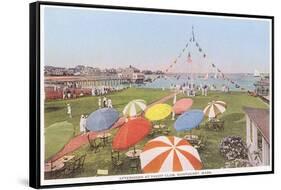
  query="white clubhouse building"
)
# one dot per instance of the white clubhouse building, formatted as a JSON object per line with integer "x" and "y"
{"x": 257, "y": 136}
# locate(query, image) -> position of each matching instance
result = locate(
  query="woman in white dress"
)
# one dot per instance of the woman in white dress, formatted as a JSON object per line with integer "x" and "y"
{"x": 69, "y": 110}
{"x": 109, "y": 103}
{"x": 83, "y": 124}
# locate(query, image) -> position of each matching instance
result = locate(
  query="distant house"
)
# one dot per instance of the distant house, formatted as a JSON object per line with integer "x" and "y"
{"x": 257, "y": 135}
{"x": 262, "y": 87}
{"x": 133, "y": 74}
{"x": 87, "y": 70}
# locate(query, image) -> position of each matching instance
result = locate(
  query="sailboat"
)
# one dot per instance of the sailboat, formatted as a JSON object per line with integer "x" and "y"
{"x": 256, "y": 73}
{"x": 216, "y": 76}
{"x": 206, "y": 76}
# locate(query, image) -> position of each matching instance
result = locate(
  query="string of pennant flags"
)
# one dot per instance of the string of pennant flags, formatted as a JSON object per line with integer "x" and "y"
{"x": 204, "y": 55}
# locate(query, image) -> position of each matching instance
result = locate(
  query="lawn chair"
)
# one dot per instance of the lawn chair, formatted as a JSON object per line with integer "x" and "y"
{"x": 80, "y": 163}
{"x": 94, "y": 146}
{"x": 134, "y": 164}
{"x": 202, "y": 142}
{"x": 166, "y": 132}
{"x": 218, "y": 125}
{"x": 115, "y": 160}
{"x": 152, "y": 133}
{"x": 68, "y": 170}
{"x": 215, "y": 125}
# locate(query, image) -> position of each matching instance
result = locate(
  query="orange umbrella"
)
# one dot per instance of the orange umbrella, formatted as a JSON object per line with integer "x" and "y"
{"x": 131, "y": 133}
{"x": 169, "y": 154}
{"x": 182, "y": 105}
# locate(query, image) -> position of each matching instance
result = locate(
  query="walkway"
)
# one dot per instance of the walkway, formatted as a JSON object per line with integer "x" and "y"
{"x": 81, "y": 140}
{"x": 75, "y": 143}
{"x": 162, "y": 100}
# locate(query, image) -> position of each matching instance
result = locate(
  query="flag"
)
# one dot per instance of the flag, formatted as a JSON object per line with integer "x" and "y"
{"x": 189, "y": 60}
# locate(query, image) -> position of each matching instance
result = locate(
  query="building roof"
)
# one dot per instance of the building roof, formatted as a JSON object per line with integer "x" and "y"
{"x": 78, "y": 78}
{"x": 262, "y": 82}
{"x": 261, "y": 119}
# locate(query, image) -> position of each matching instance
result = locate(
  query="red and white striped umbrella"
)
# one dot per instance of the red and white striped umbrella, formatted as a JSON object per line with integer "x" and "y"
{"x": 169, "y": 154}
{"x": 214, "y": 108}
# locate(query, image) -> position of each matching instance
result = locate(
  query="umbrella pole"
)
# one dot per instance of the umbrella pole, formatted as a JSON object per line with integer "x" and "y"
{"x": 134, "y": 150}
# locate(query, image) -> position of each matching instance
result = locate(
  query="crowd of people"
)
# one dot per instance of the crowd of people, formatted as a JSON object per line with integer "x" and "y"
{"x": 190, "y": 89}
{"x": 103, "y": 90}
{"x": 105, "y": 102}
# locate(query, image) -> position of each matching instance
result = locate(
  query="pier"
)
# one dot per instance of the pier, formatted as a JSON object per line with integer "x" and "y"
{"x": 85, "y": 81}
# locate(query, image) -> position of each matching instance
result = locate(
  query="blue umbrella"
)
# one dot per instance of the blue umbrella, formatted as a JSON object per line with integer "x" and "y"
{"x": 189, "y": 120}
{"x": 102, "y": 119}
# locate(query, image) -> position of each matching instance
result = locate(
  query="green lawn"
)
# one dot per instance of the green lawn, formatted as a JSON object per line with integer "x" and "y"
{"x": 210, "y": 156}
{"x": 53, "y": 137}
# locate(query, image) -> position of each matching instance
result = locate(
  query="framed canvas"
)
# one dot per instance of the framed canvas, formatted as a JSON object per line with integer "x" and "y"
{"x": 129, "y": 94}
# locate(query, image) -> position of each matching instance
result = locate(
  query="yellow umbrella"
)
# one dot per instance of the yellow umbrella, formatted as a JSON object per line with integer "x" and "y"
{"x": 158, "y": 112}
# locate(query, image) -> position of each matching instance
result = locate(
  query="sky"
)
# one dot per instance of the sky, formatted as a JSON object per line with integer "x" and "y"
{"x": 112, "y": 39}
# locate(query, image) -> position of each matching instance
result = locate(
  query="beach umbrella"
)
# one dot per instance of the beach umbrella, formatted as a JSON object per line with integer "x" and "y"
{"x": 134, "y": 108}
{"x": 214, "y": 108}
{"x": 158, "y": 112}
{"x": 131, "y": 133}
{"x": 102, "y": 119}
{"x": 189, "y": 120}
{"x": 182, "y": 105}
{"x": 169, "y": 154}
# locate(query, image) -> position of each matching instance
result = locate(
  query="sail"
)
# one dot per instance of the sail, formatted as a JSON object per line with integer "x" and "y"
{"x": 216, "y": 76}
{"x": 207, "y": 76}
{"x": 257, "y": 73}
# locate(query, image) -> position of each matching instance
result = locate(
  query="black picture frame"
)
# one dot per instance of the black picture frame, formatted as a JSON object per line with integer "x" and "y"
{"x": 34, "y": 93}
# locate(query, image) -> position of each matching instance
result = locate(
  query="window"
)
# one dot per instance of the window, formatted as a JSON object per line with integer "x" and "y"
{"x": 260, "y": 144}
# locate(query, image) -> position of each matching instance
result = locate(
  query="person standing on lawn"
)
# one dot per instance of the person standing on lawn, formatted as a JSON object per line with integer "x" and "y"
{"x": 104, "y": 102}
{"x": 99, "y": 102}
{"x": 83, "y": 124}
{"x": 109, "y": 103}
{"x": 174, "y": 101}
{"x": 69, "y": 110}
